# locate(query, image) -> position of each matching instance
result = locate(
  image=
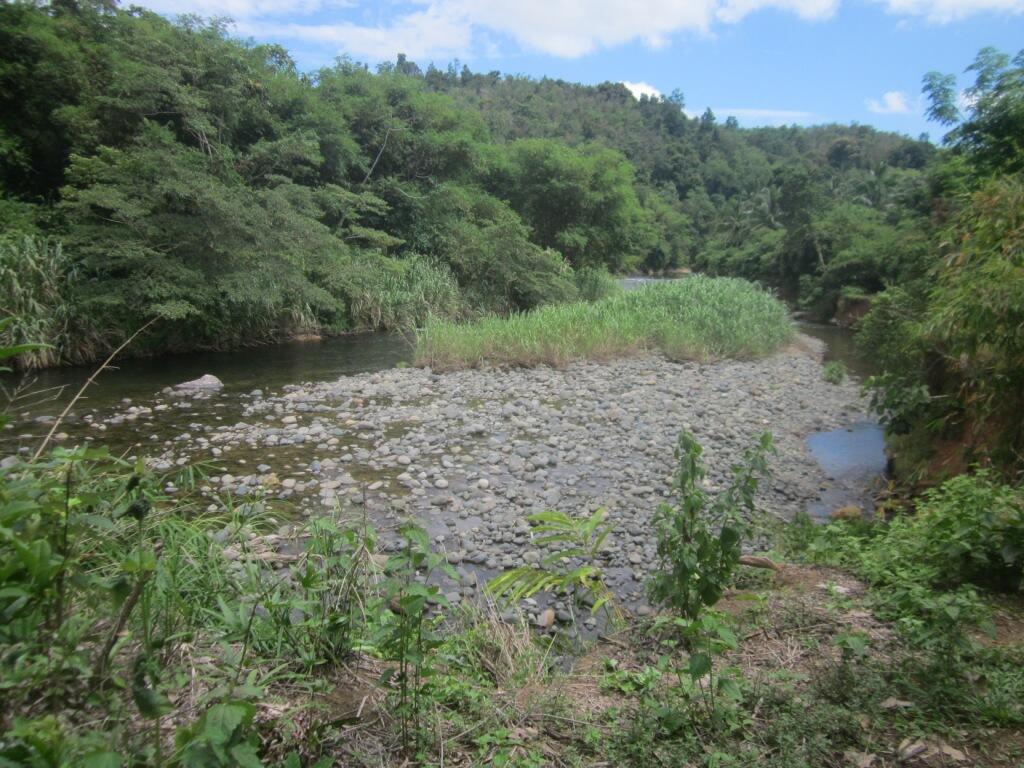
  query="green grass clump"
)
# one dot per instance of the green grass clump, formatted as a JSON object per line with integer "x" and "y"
{"x": 699, "y": 318}
{"x": 834, "y": 372}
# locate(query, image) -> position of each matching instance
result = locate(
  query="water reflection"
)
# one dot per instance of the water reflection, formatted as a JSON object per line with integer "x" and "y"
{"x": 265, "y": 367}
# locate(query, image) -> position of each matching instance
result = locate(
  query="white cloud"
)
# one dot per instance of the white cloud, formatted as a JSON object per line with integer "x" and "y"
{"x": 891, "y": 103}
{"x": 572, "y": 28}
{"x": 439, "y": 29}
{"x": 641, "y": 89}
{"x": 945, "y": 11}
{"x": 731, "y": 11}
{"x": 244, "y": 9}
{"x": 433, "y": 33}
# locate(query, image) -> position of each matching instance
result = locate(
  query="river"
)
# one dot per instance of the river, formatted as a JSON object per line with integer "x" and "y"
{"x": 853, "y": 457}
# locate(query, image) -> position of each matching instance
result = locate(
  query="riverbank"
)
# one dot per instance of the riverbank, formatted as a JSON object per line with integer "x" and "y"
{"x": 303, "y": 575}
{"x": 471, "y": 453}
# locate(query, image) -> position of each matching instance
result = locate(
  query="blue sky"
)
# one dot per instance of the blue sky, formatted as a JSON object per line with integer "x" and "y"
{"x": 767, "y": 62}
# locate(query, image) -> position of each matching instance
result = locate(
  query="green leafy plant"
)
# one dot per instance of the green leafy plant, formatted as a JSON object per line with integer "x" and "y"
{"x": 834, "y": 372}
{"x": 968, "y": 530}
{"x": 404, "y": 635}
{"x": 572, "y": 568}
{"x": 222, "y": 737}
{"x": 695, "y": 563}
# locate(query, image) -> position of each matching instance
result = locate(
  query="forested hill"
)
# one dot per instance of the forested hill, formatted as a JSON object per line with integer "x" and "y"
{"x": 772, "y": 204}
{"x": 158, "y": 169}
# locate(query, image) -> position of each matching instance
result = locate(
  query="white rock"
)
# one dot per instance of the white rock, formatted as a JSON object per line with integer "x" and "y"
{"x": 204, "y": 382}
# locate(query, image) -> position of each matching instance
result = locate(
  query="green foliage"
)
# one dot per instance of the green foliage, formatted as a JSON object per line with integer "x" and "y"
{"x": 924, "y": 567}
{"x": 695, "y": 564}
{"x": 990, "y": 131}
{"x": 594, "y": 284}
{"x": 968, "y": 530}
{"x": 834, "y": 372}
{"x": 391, "y": 294}
{"x": 891, "y": 332}
{"x": 579, "y": 202}
{"x": 403, "y": 634}
{"x": 206, "y": 181}
{"x": 35, "y": 276}
{"x": 695, "y": 318}
{"x": 572, "y": 568}
{"x": 221, "y": 738}
{"x": 976, "y": 315}
{"x": 948, "y": 338}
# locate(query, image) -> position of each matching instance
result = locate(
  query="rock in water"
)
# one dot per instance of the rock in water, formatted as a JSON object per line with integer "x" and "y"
{"x": 205, "y": 383}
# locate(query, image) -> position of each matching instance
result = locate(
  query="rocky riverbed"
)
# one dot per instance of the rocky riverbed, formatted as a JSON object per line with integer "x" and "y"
{"x": 472, "y": 453}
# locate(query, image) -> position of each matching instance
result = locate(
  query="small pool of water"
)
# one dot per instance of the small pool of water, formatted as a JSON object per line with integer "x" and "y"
{"x": 854, "y": 460}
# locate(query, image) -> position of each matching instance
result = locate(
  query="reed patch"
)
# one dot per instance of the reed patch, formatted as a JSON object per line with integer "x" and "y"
{"x": 699, "y": 318}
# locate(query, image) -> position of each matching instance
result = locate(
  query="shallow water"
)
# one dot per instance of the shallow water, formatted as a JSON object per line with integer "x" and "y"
{"x": 855, "y": 461}
{"x": 840, "y": 347}
{"x": 264, "y": 367}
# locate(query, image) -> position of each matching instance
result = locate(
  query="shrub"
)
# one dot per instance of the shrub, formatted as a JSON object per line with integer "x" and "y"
{"x": 695, "y": 564}
{"x": 402, "y": 294}
{"x": 834, "y": 372}
{"x": 594, "y": 284}
{"x": 968, "y": 530}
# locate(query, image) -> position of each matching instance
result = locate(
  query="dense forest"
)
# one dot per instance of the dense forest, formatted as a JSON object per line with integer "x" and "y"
{"x": 152, "y": 168}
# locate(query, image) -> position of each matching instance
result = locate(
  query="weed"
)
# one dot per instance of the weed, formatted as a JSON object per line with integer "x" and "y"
{"x": 834, "y": 372}
{"x": 578, "y": 539}
{"x": 695, "y": 563}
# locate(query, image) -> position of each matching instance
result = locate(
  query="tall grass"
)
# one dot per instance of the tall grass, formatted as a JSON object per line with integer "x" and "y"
{"x": 699, "y": 318}
{"x": 594, "y": 284}
{"x": 34, "y": 274}
{"x": 404, "y": 296}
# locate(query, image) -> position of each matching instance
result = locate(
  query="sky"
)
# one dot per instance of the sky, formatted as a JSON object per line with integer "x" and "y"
{"x": 766, "y": 62}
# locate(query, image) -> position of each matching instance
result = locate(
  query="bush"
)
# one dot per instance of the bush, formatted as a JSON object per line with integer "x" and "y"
{"x": 834, "y": 372}
{"x": 968, "y": 530}
{"x": 402, "y": 294}
{"x": 695, "y": 564}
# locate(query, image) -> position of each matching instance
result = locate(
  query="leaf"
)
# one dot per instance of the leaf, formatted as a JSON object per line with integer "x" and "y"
{"x": 151, "y": 703}
{"x": 102, "y": 759}
{"x": 700, "y": 665}
{"x": 726, "y": 635}
{"x": 19, "y": 349}
{"x": 221, "y": 721}
{"x": 729, "y": 537}
{"x": 729, "y": 688}
{"x": 245, "y": 756}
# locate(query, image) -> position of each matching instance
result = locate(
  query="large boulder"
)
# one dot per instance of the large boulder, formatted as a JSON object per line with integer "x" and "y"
{"x": 205, "y": 383}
